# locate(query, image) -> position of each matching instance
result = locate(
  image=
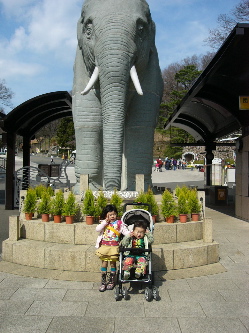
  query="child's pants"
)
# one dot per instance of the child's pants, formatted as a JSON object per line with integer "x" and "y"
{"x": 130, "y": 261}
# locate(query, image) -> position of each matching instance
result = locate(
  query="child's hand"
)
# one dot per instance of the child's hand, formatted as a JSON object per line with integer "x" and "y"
{"x": 108, "y": 218}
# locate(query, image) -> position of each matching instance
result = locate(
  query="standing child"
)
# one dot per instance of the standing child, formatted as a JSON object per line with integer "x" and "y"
{"x": 139, "y": 238}
{"x": 107, "y": 244}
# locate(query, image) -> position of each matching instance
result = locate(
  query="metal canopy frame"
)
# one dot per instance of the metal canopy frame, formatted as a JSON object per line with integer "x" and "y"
{"x": 25, "y": 120}
{"x": 210, "y": 109}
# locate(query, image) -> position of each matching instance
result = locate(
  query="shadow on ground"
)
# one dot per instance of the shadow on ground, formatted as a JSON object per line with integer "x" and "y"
{"x": 225, "y": 209}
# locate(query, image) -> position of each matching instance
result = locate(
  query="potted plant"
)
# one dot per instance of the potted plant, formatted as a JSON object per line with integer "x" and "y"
{"x": 168, "y": 206}
{"x": 40, "y": 189}
{"x": 100, "y": 204}
{"x": 57, "y": 206}
{"x": 117, "y": 201}
{"x": 89, "y": 206}
{"x": 70, "y": 208}
{"x": 141, "y": 198}
{"x": 44, "y": 206}
{"x": 183, "y": 208}
{"x": 194, "y": 205}
{"x": 150, "y": 200}
{"x": 29, "y": 204}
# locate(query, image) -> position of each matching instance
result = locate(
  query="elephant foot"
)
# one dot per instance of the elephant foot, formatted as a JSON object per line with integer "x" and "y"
{"x": 92, "y": 185}
{"x": 76, "y": 188}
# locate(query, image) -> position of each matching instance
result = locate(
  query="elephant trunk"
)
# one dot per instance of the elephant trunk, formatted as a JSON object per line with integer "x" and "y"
{"x": 114, "y": 66}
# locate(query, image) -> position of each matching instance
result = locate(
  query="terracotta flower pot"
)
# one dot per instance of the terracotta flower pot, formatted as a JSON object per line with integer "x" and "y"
{"x": 28, "y": 216}
{"x": 154, "y": 218}
{"x": 69, "y": 219}
{"x": 195, "y": 216}
{"x": 170, "y": 219}
{"x": 45, "y": 217}
{"x": 183, "y": 218}
{"x": 57, "y": 218}
{"x": 89, "y": 220}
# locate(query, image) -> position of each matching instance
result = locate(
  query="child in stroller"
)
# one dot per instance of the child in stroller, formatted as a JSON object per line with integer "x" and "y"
{"x": 135, "y": 253}
{"x": 140, "y": 238}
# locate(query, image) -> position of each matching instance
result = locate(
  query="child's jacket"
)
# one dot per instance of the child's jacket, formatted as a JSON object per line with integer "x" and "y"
{"x": 119, "y": 226}
{"x": 127, "y": 241}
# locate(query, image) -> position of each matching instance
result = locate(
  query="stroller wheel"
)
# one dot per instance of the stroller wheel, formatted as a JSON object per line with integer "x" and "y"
{"x": 125, "y": 293}
{"x": 116, "y": 293}
{"x": 148, "y": 294}
{"x": 155, "y": 293}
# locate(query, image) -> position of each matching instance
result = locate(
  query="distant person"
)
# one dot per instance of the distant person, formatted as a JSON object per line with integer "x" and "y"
{"x": 52, "y": 159}
{"x": 159, "y": 164}
{"x": 174, "y": 162}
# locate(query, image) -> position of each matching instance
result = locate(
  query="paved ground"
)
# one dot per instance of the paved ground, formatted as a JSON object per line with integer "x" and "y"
{"x": 208, "y": 304}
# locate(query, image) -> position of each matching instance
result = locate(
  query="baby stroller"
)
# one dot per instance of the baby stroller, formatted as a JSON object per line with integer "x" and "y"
{"x": 151, "y": 292}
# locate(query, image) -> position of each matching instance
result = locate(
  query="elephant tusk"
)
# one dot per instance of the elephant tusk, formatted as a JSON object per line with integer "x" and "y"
{"x": 91, "y": 82}
{"x": 135, "y": 80}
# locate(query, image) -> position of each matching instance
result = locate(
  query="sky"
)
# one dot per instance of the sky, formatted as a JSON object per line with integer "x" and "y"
{"x": 38, "y": 39}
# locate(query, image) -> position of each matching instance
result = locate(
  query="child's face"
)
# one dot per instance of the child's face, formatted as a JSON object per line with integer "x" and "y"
{"x": 138, "y": 232}
{"x": 111, "y": 216}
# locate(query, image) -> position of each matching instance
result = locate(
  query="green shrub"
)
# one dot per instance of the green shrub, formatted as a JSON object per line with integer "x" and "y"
{"x": 44, "y": 206}
{"x": 168, "y": 206}
{"x": 117, "y": 201}
{"x": 88, "y": 207}
{"x": 100, "y": 204}
{"x": 183, "y": 207}
{"x": 57, "y": 203}
{"x": 40, "y": 189}
{"x": 193, "y": 202}
{"x": 29, "y": 204}
{"x": 150, "y": 199}
{"x": 143, "y": 199}
{"x": 70, "y": 205}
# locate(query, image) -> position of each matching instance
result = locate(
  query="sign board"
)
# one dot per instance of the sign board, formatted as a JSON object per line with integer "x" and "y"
{"x": 45, "y": 168}
{"x": 221, "y": 194}
{"x": 51, "y": 170}
{"x": 244, "y": 102}
{"x": 54, "y": 170}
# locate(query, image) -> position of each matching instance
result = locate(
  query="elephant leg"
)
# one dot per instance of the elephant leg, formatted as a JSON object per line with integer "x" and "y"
{"x": 139, "y": 138}
{"x": 89, "y": 138}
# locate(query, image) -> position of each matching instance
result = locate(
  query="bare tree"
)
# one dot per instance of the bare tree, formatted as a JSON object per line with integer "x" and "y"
{"x": 5, "y": 96}
{"x": 169, "y": 73}
{"x": 226, "y": 23}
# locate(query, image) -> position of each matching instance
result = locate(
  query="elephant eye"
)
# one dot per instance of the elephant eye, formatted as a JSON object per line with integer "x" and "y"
{"x": 88, "y": 29}
{"x": 140, "y": 28}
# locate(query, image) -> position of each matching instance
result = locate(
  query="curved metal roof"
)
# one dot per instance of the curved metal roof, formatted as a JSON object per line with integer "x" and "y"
{"x": 27, "y": 118}
{"x": 210, "y": 109}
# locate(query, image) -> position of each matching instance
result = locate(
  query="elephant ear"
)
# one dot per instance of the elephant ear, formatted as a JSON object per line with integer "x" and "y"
{"x": 80, "y": 32}
{"x": 152, "y": 30}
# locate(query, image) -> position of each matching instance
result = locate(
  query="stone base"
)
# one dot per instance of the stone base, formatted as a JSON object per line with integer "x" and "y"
{"x": 82, "y": 258}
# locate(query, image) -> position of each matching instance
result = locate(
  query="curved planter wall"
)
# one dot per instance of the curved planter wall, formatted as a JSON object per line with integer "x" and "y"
{"x": 71, "y": 247}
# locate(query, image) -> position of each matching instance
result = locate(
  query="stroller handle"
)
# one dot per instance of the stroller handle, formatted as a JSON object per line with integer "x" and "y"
{"x": 136, "y": 204}
{"x": 134, "y": 250}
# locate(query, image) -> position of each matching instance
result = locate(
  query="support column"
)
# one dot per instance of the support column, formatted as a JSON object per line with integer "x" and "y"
{"x": 209, "y": 159}
{"x": 26, "y": 151}
{"x": 26, "y": 162}
{"x": 10, "y": 169}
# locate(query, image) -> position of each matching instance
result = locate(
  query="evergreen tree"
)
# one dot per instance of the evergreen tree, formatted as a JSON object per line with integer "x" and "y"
{"x": 65, "y": 133}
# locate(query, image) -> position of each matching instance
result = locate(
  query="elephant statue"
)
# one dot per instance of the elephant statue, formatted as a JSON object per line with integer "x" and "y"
{"x": 117, "y": 92}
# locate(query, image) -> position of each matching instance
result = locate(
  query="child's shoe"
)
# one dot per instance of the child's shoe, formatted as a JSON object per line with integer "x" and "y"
{"x": 126, "y": 275}
{"x": 111, "y": 281}
{"x": 103, "y": 282}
